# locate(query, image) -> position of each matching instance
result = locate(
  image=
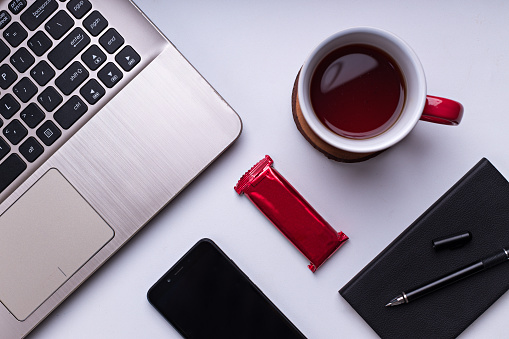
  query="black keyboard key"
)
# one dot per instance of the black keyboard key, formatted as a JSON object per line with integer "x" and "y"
{"x": 42, "y": 73}
{"x": 72, "y": 77}
{"x": 22, "y": 60}
{"x": 15, "y": 132}
{"x": 31, "y": 149}
{"x": 4, "y": 148}
{"x": 60, "y": 24}
{"x": 95, "y": 23}
{"x": 111, "y": 40}
{"x": 32, "y": 115}
{"x": 39, "y": 43}
{"x": 7, "y": 76}
{"x": 50, "y": 99}
{"x": 15, "y": 34}
{"x": 68, "y": 48}
{"x": 48, "y": 133}
{"x": 38, "y": 12}
{"x": 16, "y": 6}
{"x": 93, "y": 57}
{"x": 128, "y": 58}
{"x": 10, "y": 169}
{"x": 8, "y": 106}
{"x": 79, "y": 8}
{"x": 70, "y": 112}
{"x": 110, "y": 75}
{"x": 1, "y": 123}
{"x": 25, "y": 90}
{"x": 92, "y": 92}
{"x": 4, "y": 50}
{"x": 5, "y": 18}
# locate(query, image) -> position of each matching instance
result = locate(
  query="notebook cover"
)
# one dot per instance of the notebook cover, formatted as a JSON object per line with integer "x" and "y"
{"x": 479, "y": 203}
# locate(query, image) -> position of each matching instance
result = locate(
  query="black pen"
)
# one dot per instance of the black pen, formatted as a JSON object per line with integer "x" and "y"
{"x": 478, "y": 266}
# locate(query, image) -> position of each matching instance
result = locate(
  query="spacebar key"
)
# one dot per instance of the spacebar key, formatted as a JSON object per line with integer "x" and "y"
{"x": 10, "y": 169}
{"x": 68, "y": 48}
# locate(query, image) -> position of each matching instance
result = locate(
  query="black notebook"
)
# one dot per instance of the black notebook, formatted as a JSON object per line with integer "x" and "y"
{"x": 479, "y": 203}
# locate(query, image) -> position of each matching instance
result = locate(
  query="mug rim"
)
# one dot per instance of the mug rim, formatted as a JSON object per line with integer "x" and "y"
{"x": 415, "y": 95}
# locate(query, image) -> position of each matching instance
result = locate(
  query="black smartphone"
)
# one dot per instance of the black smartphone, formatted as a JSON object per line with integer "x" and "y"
{"x": 205, "y": 295}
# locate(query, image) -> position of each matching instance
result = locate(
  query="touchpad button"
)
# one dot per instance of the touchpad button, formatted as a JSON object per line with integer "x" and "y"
{"x": 45, "y": 237}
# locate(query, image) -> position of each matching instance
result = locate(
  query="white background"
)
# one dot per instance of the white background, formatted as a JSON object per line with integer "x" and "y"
{"x": 251, "y": 51}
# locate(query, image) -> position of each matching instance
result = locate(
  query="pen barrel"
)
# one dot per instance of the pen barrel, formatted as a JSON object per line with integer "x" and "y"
{"x": 445, "y": 280}
{"x": 495, "y": 259}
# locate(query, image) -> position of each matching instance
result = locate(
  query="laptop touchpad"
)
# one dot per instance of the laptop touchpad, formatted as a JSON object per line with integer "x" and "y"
{"x": 45, "y": 237}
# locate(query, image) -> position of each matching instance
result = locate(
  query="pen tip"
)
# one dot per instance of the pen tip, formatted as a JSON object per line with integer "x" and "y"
{"x": 396, "y": 301}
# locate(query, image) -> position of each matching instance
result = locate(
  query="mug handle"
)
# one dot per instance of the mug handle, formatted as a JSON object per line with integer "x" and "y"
{"x": 442, "y": 111}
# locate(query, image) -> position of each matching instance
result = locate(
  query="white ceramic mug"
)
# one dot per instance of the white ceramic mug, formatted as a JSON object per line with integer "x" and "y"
{"x": 418, "y": 105}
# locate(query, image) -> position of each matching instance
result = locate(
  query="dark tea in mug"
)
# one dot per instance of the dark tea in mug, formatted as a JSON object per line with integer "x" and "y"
{"x": 357, "y": 91}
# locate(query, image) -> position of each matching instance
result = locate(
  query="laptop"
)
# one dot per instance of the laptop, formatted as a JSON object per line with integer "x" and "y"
{"x": 102, "y": 123}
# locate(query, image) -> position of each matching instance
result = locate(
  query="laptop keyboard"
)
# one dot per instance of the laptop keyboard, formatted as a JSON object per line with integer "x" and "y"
{"x": 58, "y": 58}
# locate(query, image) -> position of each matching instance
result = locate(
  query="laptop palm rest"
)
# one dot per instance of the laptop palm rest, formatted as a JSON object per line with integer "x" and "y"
{"x": 36, "y": 261}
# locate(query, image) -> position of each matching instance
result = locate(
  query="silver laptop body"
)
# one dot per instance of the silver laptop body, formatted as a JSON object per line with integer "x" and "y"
{"x": 137, "y": 145}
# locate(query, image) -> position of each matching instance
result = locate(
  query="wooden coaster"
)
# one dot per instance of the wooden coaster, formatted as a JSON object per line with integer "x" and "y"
{"x": 328, "y": 150}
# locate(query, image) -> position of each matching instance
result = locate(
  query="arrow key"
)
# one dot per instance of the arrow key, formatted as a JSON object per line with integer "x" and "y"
{"x": 93, "y": 57}
{"x": 128, "y": 58}
{"x": 92, "y": 92}
{"x": 110, "y": 75}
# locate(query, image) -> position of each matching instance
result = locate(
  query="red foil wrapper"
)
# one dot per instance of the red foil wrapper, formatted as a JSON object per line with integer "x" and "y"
{"x": 290, "y": 213}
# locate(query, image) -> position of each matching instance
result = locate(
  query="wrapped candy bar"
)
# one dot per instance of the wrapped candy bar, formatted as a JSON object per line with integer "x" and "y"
{"x": 290, "y": 213}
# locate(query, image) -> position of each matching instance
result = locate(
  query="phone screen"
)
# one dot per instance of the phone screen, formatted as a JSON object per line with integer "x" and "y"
{"x": 205, "y": 295}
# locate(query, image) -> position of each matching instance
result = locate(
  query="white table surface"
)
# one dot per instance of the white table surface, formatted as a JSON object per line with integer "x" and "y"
{"x": 251, "y": 51}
